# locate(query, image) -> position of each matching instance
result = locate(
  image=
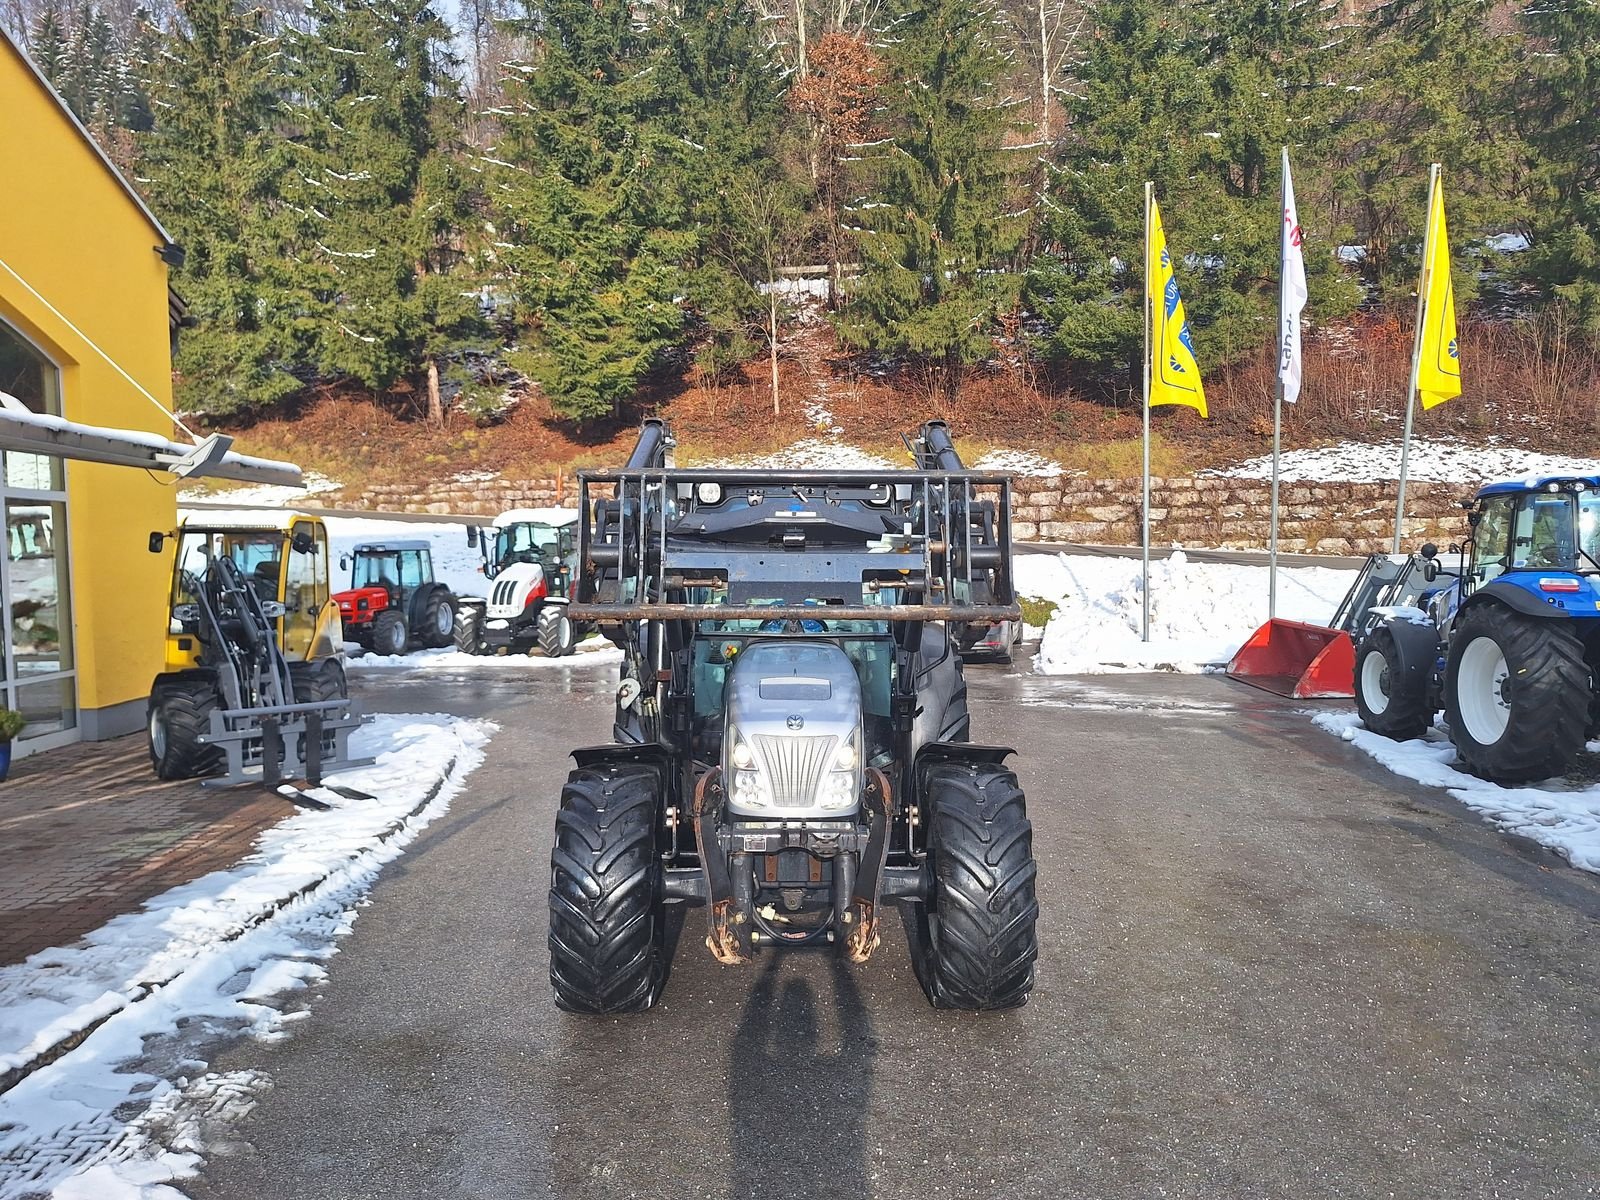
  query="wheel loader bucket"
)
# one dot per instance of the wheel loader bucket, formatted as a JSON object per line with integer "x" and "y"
{"x": 1291, "y": 658}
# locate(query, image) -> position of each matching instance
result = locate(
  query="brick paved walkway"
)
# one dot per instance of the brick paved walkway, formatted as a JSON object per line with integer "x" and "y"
{"x": 88, "y": 832}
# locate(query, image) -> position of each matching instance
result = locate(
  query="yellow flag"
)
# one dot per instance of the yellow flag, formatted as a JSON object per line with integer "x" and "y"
{"x": 1174, "y": 373}
{"x": 1439, "y": 356}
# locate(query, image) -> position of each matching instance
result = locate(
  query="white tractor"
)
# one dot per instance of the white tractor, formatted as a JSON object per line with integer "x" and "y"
{"x": 530, "y": 556}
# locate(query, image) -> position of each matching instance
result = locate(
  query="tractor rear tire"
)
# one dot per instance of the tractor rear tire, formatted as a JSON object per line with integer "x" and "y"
{"x": 1517, "y": 694}
{"x": 555, "y": 631}
{"x": 469, "y": 629}
{"x": 438, "y": 626}
{"x": 178, "y": 713}
{"x": 389, "y": 633}
{"x": 1391, "y": 703}
{"x": 607, "y": 907}
{"x": 980, "y": 941}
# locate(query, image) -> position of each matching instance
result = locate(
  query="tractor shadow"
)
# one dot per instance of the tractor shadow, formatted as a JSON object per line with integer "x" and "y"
{"x": 800, "y": 1080}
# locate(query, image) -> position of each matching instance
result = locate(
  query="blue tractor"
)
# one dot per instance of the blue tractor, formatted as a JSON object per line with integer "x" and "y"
{"x": 1504, "y": 635}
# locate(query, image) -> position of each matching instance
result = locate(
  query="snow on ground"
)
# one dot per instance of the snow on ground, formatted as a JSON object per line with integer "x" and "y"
{"x": 1019, "y": 462}
{"x": 818, "y": 452}
{"x": 264, "y": 493}
{"x": 1431, "y": 460}
{"x": 125, "y": 1112}
{"x": 1563, "y": 816}
{"x": 1200, "y": 613}
{"x": 596, "y": 651}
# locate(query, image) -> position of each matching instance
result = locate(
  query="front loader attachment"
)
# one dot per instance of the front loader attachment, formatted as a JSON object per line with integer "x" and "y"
{"x": 1291, "y": 658}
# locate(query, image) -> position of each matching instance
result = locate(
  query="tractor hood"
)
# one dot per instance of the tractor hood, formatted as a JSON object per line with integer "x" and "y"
{"x": 513, "y": 588}
{"x": 793, "y": 743}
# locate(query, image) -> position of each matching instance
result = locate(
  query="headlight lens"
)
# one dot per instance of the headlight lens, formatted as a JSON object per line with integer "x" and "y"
{"x": 742, "y": 758}
{"x": 847, "y": 756}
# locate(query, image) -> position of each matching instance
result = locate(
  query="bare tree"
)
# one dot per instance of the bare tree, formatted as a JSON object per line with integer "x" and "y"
{"x": 1043, "y": 34}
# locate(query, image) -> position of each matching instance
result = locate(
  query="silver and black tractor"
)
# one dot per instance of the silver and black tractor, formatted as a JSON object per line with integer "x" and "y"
{"x": 791, "y": 741}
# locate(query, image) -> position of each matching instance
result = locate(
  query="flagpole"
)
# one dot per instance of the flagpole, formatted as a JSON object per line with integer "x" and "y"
{"x": 1144, "y": 512}
{"x": 1277, "y": 394}
{"x": 1416, "y": 356}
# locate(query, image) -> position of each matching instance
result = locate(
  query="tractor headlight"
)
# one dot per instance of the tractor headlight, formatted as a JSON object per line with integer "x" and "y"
{"x": 742, "y": 757}
{"x": 709, "y": 493}
{"x": 748, "y": 787}
{"x": 840, "y": 787}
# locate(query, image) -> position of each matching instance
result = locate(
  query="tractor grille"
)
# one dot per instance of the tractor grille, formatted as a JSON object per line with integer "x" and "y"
{"x": 795, "y": 766}
{"x": 504, "y": 592}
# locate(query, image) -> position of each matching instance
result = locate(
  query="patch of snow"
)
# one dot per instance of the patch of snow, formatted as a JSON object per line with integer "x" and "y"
{"x": 123, "y": 1114}
{"x": 1200, "y": 613}
{"x": 1439, "y": 461}
{"x": 1019, "y": 462}
{"x": 809, "y": 453}
{"x": 266, "y": 493}
{"x": 596, "y": 651}
{"x": 1507, "y": 243}
{"x": 1563, "y": 816}
{"x": 1402, "y": 612}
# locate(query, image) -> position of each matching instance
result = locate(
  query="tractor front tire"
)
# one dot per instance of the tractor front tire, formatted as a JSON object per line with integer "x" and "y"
{"x": 555, "y": 631}
{"x": 177, "y": 715}
{"x": 469, "y": 629}
{"x": 980, "y": 940}
{"x": 438, "y": 628}
{"x": 1391, "y": 703}
{"x": 319, "y": 681}
{"x": 607, "y": 908}
{"x": 1517, "y": 694}
{"x": 389, "y": 633}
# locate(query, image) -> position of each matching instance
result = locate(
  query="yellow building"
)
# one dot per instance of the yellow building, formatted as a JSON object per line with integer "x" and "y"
{"x": 83, "y": 286}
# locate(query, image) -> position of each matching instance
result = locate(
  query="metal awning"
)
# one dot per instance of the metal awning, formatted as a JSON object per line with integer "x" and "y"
{"x": 29, "y": 432}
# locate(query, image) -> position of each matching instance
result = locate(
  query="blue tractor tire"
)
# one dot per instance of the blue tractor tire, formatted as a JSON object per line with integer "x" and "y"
{"x": 1517, "y": 694}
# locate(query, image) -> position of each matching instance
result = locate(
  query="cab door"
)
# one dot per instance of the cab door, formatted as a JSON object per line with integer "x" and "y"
{"x": 306, "y": 596}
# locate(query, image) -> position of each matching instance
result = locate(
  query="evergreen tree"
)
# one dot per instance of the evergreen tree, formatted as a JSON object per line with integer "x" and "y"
{"x": 592, "y": 223}
{"x": 1565, "y": 127}
{"x": 48, "y": 45}
{"x": 936, "y": 254}
{"x": 382, "y": 196}
{"x": 214, "y": 161}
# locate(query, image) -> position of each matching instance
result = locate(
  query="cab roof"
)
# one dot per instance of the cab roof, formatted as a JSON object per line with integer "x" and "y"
{"x": 385, "y": 547}
{"x": 244, "y": 520}
{"x": 536, "y": 516}
{"x": 1534, "y": 483}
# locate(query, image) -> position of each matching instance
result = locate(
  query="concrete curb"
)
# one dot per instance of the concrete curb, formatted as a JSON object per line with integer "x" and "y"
{"x": 144, "y": 990}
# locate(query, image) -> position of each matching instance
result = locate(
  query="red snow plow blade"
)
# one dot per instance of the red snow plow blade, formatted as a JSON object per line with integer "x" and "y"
{"x": 1291, "y": 658}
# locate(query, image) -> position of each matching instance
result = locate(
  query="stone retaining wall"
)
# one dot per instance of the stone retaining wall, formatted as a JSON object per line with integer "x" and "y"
{"x": 1229, "y": 514}
{"x": 1232, "y": 514}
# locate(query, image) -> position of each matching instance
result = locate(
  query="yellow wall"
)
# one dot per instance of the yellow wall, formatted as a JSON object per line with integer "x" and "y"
{"x": 69, "y": 229}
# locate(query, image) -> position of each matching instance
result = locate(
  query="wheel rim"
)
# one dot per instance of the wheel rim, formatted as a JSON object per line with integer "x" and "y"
{"x": 158, "y": 734}
{"x": 564, "y": 633}
{"x": 1480, "y": 691}
{"x": 444, "y": 620}
{"x": 1375, "y": 683}
{"x": 397, "y": 638}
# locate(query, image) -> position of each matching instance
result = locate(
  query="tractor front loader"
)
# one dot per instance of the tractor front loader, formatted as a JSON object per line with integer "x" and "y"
{"x": 254, "y": 687}
{"x": 790, "y": 747}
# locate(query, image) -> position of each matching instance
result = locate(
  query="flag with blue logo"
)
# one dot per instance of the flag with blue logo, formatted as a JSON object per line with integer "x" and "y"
{"x": 1174, "y": 373}
{"x": 1439, "y": 353}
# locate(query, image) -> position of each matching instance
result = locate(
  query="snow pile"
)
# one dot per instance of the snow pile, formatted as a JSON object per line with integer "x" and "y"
{"x": 1563, "y": 816}
{"x": 1438, "y": 461}
{"x": 821, "y": 453}
{"x": 123, "y": 1112}
{"x": 1019, "y": 462}
{"x": 1200, "y": 613}
{"x": 595, "y": 651}
{"x": 265, "y": 493}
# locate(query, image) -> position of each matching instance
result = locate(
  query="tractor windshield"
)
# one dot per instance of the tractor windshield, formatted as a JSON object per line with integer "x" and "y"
{"x": 526, "y": 541}
{"x": 1556, "y": 531}
{"x": 258, "y": 554}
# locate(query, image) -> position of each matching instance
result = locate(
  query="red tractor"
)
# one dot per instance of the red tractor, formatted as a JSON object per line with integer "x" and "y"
{"x": 394, "y": 600}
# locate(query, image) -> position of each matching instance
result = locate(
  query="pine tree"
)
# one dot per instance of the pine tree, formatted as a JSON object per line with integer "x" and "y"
{"x": 381, "y": 193}
{"x": 48, "y": 45}
{"x": 590, "y": 225}
{"x": 214, "y": 161}
{"x": 936, "y": 251}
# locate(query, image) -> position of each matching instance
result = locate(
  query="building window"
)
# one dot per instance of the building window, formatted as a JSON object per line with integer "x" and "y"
{"x": 37, "y": 675}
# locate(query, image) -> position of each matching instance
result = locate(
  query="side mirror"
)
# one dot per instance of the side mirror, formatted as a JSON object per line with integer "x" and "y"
{"x": 1430, "y": 569}
{"x": 344, "y": 562}
{"x": 157, "y": 540}
{"x": 472, "y": 537}
{"x": 302, "y": 542}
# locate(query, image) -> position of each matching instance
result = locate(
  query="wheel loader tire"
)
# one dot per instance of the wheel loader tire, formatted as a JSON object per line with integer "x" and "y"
{"x": 1516, "y": 694}
{"x": 389, "y": 633}
{"x": 438, "y": 626}
{"x": 607, "y": 910}
{"x": 469, "y": 629}
{"x": 980, "y": 941}
{"x": 555, "y": 631}
{"x": 177, "y": 715}
{"x": 1391, "y": 703}
{"x": 312, "y": 682}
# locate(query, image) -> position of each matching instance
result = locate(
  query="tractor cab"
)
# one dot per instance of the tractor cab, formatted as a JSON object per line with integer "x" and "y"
{"x": 1540, "y": 535}
{"x": 546, "y": 538}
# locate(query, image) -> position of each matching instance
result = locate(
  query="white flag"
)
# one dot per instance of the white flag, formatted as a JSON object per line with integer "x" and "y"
{"x": 1291, "y": 293}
